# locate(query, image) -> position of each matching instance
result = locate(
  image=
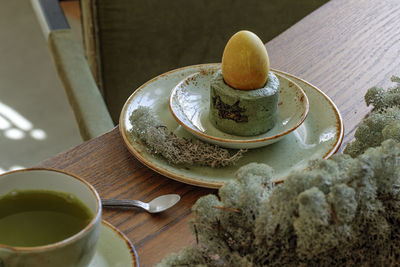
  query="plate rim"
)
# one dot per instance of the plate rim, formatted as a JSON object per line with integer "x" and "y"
{"x": 128, "y": 243}
{"x": 201, "y": 183}
{"x": 268, "y": 139}
{"x": 339, "y": 117}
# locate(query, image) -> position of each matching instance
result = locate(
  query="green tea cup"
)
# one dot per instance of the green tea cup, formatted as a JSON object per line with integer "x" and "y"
{"x": 38, "y": 205}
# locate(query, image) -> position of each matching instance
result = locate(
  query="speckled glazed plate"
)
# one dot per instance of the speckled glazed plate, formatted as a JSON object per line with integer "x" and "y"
{"x": 319, "y": 136}
{"x": 114, "y": 249}
{"x": 189, "y": 103}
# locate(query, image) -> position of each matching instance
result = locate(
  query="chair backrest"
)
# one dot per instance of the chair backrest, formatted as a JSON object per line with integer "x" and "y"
{"x": 128, "y": 42}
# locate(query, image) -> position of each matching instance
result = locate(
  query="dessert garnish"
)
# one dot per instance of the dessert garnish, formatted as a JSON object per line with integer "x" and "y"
{"x": 245, "y": 62}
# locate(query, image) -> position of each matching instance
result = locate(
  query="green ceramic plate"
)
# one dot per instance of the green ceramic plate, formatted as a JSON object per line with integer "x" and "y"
{"x": 319, "y": 136}
{"x": 114, "y": 249}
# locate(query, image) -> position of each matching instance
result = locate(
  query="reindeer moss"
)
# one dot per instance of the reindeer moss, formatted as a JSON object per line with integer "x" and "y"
{"x": 386, "y": 113}
{"x": 178, "y": 150}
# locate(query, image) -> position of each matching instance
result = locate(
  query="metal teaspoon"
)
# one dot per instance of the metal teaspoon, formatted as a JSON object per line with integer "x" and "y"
{"x": 158, "y": 204}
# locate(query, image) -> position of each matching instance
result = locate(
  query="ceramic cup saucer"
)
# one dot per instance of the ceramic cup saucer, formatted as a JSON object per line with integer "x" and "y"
{"x": 189, "y": 103}
{"x": 114, "y": 249}
{"x": 319, "y": 136}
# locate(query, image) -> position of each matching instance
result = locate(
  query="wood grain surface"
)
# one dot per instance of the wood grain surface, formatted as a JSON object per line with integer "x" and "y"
{"x": 344, "y": 48}
{"x": 115, "y": 173}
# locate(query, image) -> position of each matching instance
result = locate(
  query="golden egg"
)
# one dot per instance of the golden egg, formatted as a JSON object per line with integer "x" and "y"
{"x": 245, "y": 63}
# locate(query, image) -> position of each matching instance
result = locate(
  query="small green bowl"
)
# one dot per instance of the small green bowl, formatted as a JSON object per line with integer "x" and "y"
{"x": 189, "y": 103}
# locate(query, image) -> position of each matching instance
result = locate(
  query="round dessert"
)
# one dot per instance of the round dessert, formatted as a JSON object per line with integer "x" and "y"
{"x": 243, "y": 112}
{"x": 244, "y": 96}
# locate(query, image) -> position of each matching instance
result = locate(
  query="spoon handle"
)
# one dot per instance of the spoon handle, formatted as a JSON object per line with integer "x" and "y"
{"x": 124, "y": 203}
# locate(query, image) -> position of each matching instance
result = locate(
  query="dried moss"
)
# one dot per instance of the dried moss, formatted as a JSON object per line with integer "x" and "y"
{"x": 178, "y": 150}
{"x": 386, "y": 113}
{"x": 344, "y": 211}
{"x": 314, "y": 218}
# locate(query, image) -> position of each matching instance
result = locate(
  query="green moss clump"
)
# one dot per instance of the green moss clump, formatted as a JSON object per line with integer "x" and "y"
{"x": 325, "y": 215}
{"x": 383, "y": 99}
{"x": 177, "y": 150}
{"x": 386, "y": 111}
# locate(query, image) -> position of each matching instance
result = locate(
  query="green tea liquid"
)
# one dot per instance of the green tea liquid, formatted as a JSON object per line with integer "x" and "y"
{"x": 39, "y": 217}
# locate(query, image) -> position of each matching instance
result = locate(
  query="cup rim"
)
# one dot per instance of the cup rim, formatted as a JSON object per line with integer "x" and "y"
{"x": 96, "y": 218}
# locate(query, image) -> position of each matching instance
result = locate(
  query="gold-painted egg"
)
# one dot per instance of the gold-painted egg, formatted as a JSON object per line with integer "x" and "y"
{"x": 245, "y": 63}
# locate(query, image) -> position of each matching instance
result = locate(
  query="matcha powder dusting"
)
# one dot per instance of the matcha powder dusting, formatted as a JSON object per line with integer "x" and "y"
{"x": 177, "y": 150}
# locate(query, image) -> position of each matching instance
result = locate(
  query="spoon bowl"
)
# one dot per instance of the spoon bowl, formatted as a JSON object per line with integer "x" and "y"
{"x": 156, "y": 205}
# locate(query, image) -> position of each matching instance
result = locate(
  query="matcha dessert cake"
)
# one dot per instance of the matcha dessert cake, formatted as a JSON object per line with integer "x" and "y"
{"x": 244, "y": 94}
{"x": 244, "y": 112}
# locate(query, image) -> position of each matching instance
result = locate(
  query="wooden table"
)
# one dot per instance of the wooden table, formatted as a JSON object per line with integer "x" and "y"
{"x": 344, "y": 48}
